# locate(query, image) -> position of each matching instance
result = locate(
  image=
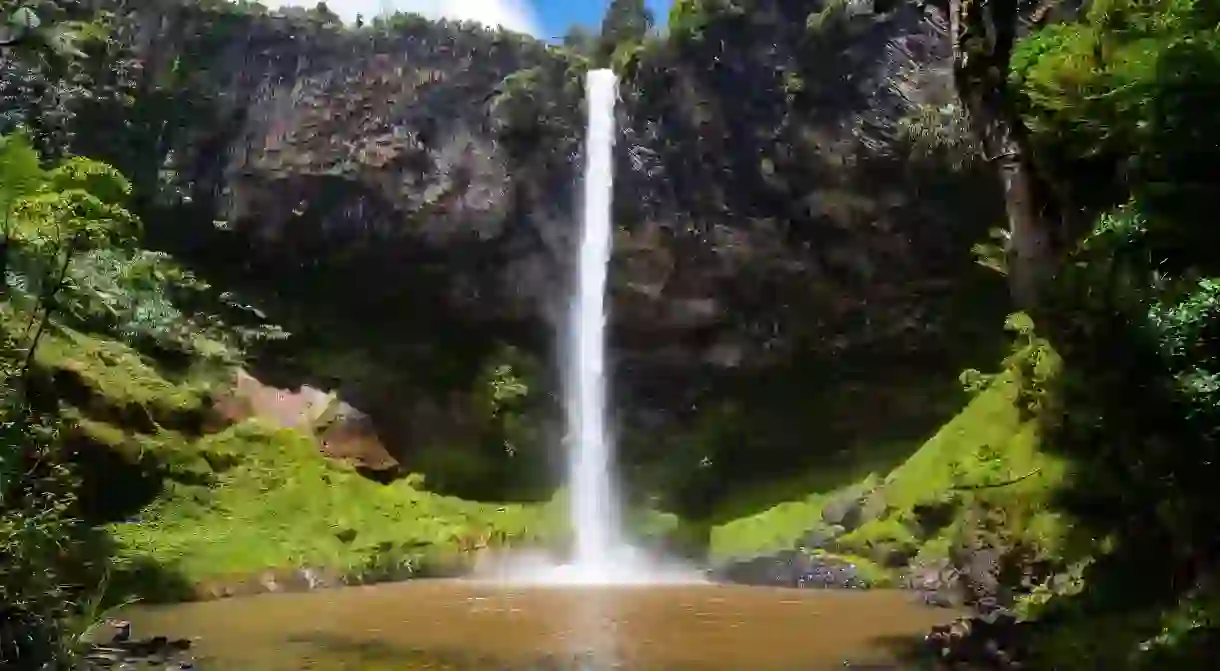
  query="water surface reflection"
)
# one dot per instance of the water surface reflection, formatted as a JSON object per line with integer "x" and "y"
{"x": 453, "y": 625}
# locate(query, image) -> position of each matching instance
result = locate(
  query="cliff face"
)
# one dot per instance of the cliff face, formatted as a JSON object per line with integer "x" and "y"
{"x": 402, "y": 199}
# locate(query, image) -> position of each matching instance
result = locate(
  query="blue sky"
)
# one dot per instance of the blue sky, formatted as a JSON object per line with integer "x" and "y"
{"x": 542, "y": 18}
{"x": 556, "y": 15}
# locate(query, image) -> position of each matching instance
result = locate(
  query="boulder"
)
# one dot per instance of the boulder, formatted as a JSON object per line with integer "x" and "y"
{"x": 845, "y": 510}
{"x": 792, "y": 568}
{"x": 344, "y": 433}
{"x": 819, "y": 537}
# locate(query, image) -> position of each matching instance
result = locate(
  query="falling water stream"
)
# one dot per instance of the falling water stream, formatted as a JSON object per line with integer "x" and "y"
{"x": 602, "y": 553}
{"x": 596, "y": 516}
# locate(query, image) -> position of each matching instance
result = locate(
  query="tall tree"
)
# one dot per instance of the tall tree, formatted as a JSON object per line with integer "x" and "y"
{"x": 625, "y": 21}
{"x": 581, "y": 40}
{"x": 983, "y": 35}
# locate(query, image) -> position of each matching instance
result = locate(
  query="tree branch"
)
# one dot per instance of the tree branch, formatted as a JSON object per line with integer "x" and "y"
{"x": 997, "y": 485}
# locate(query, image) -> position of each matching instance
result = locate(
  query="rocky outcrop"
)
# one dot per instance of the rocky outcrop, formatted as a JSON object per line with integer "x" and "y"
{"x": 402, "y": 200}
{"x": 794, "y": 568}
{"x": 343, "y": 432}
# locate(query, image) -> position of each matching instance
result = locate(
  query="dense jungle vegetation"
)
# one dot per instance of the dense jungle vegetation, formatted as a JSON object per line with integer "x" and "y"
{"x": 1069, "y": 477}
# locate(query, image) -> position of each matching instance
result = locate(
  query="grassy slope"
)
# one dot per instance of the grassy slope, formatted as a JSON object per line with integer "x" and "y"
{"x": 275, "y": 503}
{"x": 252, "y": 497}
{"x": 987, "y": 442}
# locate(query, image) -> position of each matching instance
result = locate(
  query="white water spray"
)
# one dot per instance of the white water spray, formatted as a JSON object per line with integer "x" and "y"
{"x": 602, "y": 555}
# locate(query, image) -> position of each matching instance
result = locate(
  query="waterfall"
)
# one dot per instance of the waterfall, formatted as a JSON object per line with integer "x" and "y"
{"x": 602, "y": 554}
{"x": 596, "y": 517}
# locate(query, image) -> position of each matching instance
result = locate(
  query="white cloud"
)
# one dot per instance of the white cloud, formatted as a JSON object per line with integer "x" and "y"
{"x": 515, "y": 15}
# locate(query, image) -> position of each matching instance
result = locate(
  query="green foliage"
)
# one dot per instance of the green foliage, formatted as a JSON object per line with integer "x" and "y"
{"x": 49, "y": 216}
{"x": 48, "y": 76}
{"x": 878, "y": 538}
{"x": 993, "y": 255}
{"x": 37, "y": 534}
{"x": 68, "y": 234}
{"x": 504, "y": 394}
{"x": 278, "y": 504}
{"x": 938, "y": 133}
{"x": 61, "y": 38}
{"x": 832, "y": 16}
{"x": 626, "y": 23}
{"x": 78, "y": 294}
{"x": 1114, "y": 104}
{"x": 777, "y": 528}
{"x": 689, "y": 19}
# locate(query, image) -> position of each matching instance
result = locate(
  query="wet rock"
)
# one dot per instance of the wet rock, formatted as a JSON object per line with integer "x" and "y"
{"x": 979, "y": 568}
{"x": 782, "y": 569}
{"x": 827, "y": 573}
{"x": 792, "y": 568}
{"x": 123, "y": 653}
{"x": 936, "y": 584}
{"x": 997, "y": 641}
{"x": 818, "y": 538}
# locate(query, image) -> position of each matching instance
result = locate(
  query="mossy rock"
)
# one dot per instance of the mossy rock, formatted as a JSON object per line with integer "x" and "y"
{"x": 111, "y": 382}
{"x": 862, "y": 571}
{"x": 887, "y": 542}
{"x": 820, "y": 537}
{"x": 854, "y": 505}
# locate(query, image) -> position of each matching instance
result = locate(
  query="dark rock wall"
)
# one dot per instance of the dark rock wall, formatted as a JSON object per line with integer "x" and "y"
{"x": 403, "y": 200}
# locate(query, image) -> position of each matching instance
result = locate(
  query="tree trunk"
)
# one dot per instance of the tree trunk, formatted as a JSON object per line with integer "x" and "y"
{"x": 983, "y": 33}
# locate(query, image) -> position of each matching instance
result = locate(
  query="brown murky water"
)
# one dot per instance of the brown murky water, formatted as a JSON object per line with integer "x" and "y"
{"x": 451, "y": 625}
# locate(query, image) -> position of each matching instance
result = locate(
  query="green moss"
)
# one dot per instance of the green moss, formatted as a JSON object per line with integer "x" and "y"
{"x": 934, "y": 498}
{"x": 101, "y": 433}
{"x": 117, "y": 376}
{"x": 878, "y": 537}
{"x": 774, "y": 529}
{"x": 781, "y": 526}
{"x": 933, "y": 551}
{"x": 280, "y": 505}
{"x": 1175, "y": 635}
{"x": 171, "y": 453}
{"x": 987, "y": 443}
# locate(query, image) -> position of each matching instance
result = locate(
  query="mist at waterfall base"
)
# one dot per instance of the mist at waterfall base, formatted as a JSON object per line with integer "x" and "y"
{"x": 602, "y": 553}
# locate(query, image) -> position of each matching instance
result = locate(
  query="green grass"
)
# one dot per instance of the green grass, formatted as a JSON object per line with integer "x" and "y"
{"x": 278, "y": 504}
{"x": 774, "y": 529}
{"x": 255, "y": 498}
{"x": 854, "y": 465}
{"x": 876, "y": 536}
{"x": 989, "y": 442}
